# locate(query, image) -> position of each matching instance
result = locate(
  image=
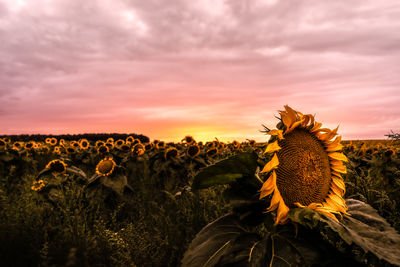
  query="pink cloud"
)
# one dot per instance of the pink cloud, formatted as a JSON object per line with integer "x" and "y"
{"x": 217, "y": 69}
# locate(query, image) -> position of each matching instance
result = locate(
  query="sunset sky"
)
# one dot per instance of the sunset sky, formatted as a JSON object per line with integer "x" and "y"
{"x": 208, "y": 68}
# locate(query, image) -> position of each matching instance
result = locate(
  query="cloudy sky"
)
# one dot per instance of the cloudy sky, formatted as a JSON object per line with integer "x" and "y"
{"x": 209, "y": 68}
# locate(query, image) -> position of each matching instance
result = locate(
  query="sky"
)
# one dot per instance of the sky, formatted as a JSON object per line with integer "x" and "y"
{"x": 206, "y": 68}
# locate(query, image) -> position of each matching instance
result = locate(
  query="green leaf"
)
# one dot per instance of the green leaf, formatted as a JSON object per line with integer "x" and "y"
{"x": 222, "y": 242}
{"x": 227, "y": 171}
{"x": 116, "y": 182}
{"x": 364, "y": 235}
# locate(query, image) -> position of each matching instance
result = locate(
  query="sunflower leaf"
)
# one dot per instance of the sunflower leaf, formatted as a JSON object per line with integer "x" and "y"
{"x": 223, "y": 242}
{"x": 364, "y": 235}
{"x": 242, "y": 165}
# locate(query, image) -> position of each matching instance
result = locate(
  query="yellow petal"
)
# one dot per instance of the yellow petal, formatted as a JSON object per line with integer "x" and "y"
{"x": 338, "y": 168}
{"x": 272, "y": 164}
{"x": 294, "y": 125}
{"x": 331, "y": 148}
{"x": 272, "y": 147}
{"x": 276, "y": 199}
{"x": 338, "y": 156}
{"x": 337, "y": 190}
{"x": 336, "y": 174}
{"x": 339, "y": 182}
{"x": 282, "y": 214}
{"x": 316, "y": 126}
{"x": 269, "y": 186}
{"x": 277, "y": 132}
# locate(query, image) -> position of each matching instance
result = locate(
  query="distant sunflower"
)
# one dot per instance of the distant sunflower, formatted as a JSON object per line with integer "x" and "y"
{"x": 135, "y": 141}
{"x": 110, "y": 145}
{"x": 3, "y": 144}
{"x": 389, "y": 153}
{"x": 119, "y": 143}
{"x": 188, "y": 139}
{"x": 99, "y": 143}
{"x": 138, "y": 150}
{"x": 30, "y": 145}
{"x": 305, "y": 167}
{"x": 57, "y": 167}
{"x": 17, "y": 145}
{"x": 110, "y": 140}
{"x": 171, "y": 152}
{"x": 38, "y": 185}
{"x": 148, "y": 146}
{"x": 130, "y": 139}
{"x": 47, "y": 140}
{"x": 106, "y": 166}
{"x": 212, "y": 152}
{"x": 53, "y": 141}
{"x": 235, "y": 144}
{"x": 84, "y": 144}
{"x": 57, "y": 150}
{"x": 103, "y": 149}
{"x": 193, "y": 151}
{"x": 160, "y": 144}
{"x": 7, "y": 140}
{"x": 125, "y": 147}
{"x": 70, "y": 150}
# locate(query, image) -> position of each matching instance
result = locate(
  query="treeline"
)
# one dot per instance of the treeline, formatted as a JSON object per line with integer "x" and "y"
{"x": 69, "y": 137}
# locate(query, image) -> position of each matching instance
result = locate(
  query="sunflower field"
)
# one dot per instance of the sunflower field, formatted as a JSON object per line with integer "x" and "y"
{"x": 302, "y": 198}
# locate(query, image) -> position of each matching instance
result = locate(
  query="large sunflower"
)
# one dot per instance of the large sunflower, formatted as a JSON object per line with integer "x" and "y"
{"x": 305, "y": 169}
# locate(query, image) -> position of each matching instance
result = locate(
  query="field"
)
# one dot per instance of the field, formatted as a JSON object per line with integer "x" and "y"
{"x": 121, "y": 202}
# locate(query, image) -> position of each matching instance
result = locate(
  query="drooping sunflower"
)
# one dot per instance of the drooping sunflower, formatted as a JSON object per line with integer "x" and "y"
{"x": 193, "y": 151}
{"x": 125, "y": 147}
{"x": 57, "y": 167}
{"x": 212, "y": 152}
{"x": 99, "y": 143}
{"x": 103, "y": 149}
{"x": 188, "y": 139}
{"x": 30, "y": 145}
{"x": 138, "y": 150}
{"x": 105, "y": 166}
{"x": 306, "y": 167}
{"x": 70, "y": 150}
{"x": 160, "y": 145}
{"x": 170, "y": 153}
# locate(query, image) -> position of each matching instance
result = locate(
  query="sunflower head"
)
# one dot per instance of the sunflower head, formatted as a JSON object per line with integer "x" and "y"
{"x": 57, "y": 150}
{"x": 135, "y": 141}
{"x": 212, "y": 152}
{"x": 389, "y": 153}
{"x": 3, "y": 143}
{"x": 103, "y": 149}
{"x": 148, "y": 146}
{"x": 170, "y": 153}
{"x": 38, "y": 185}
{"x": 125, "y": 147}
{"x": 7, "y": 140}
{"x": 119, "y": 143}
{"x": 30, "y": 145}
{"x": 138, "y": 150}
{"x": 305, "y": 167}
{"x": 235, "y": 144}
{"x": 99, "y": 143}
{"x": 130, "y": 139}
{"x": 110, "y": 140}
{"x": 84, "y": 144}
{"x": 252, "y": 142}
{"x": 70, "y": 150}
{"x": 193, "y": 151}
{"x": 57, "y": 166}
{"x": 17, "y": 146}
{"x": 53, "y": 141}
{"x": 188, "y": 139}
{"x": 106, "y": 166}
{"x": 160, "y": 144}
{"x": 47, "y": 140}
{"x": 110, "y": 145}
